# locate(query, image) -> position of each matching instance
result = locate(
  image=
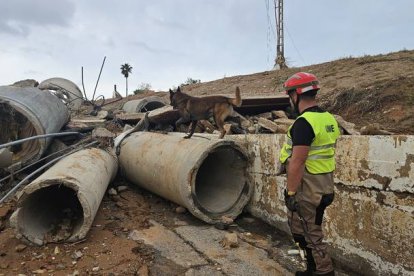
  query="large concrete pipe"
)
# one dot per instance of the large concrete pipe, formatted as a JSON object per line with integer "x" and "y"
{"x": 143, "y": 105}
{"x": 60, "y": 205}
{"x": 26, "y": 112}
{"x": 208, "y": 177}
{"x": 66, "y": 90}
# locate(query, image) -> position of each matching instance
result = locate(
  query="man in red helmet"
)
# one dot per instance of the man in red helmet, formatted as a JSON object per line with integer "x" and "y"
{"x": 309, "y": 157}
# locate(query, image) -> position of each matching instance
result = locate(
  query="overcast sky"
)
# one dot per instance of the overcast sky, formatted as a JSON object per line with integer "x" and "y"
{"x": 168, "y": 41}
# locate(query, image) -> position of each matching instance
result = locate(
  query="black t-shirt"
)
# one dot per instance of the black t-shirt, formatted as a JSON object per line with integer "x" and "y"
{"x": 302, "y": 132}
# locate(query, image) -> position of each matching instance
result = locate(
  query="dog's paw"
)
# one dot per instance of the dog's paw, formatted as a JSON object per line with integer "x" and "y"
{"x": 187, "y": 137}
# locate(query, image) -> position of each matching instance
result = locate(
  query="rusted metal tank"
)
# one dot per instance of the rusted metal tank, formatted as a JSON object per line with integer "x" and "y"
{"x": 61, "y": 204}
{"x": 208, "y": 177}
{"x": 28, "y": 111}
{"x": 143, "y": 105}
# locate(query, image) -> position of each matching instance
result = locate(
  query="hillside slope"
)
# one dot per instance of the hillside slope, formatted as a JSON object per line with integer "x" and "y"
{"x": 365, "y": 90}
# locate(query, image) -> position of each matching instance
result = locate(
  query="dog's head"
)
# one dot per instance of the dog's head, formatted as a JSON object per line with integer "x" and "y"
{"x": 173, "y": 98}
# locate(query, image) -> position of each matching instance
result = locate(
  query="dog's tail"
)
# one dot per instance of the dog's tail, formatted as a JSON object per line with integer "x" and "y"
{"x": 238, "y": 100}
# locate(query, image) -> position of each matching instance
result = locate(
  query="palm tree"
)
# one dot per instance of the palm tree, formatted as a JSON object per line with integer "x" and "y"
{"x": 126, "y": 70}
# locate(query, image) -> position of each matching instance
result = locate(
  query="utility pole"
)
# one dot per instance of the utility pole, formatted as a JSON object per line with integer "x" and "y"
{"x": 280, "y": 62}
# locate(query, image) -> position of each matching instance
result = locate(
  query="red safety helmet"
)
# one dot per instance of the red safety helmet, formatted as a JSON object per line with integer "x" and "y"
{"x": 301, "y": 82}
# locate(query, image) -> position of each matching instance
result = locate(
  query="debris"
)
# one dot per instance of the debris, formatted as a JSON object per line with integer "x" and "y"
{"x": 112, "y": 192}
{"x": 121, "y": 188}
{"x": 180, "y": 210}
{"x": 77, "y": 255}
{"x": 267, "y": 124}
{"x": 95, "y": 269}
{"x": 89, "y": 121}
{"x": 26, "y": 83}
{"x": 226, "y": 220}
{"x": 347, "y": 127}
{"x": 374, "y": 129}
{"x": 134, "y": 235}
{"x": 102, "y": 114}
{"x": 57, "y": 250}
{"x": 251, "y": 129}
{"x": 20, "y": 248}
{"x": 293, "y": 252}
{"x": 230, "y": 240}
{"x": 39, "y": 271}
{"x": 60, "y": 267}
{"x": 279, "y": 114}
{"x": 266, "y": 115}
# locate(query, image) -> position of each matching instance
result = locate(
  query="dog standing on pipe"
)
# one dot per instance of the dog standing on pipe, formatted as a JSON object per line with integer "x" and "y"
{"x": 192, "y": 109}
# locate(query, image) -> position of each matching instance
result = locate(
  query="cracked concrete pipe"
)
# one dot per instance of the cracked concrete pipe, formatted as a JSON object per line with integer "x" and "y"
{"x": 61, "y": 204}
{"x": 26, "y": 112}
{"x": 143, "y": 105}
{"x": 208, "y": 177}
{"x": 64, "y": 89}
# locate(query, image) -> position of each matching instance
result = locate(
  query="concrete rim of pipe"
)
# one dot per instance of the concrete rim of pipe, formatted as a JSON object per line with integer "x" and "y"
{"x": 26, "y": 112}
{"x": 144, "y": 105}
{"x": 207, "y": 176}
{"x": 61, "y": 204}
{"x": 213, "y": 201}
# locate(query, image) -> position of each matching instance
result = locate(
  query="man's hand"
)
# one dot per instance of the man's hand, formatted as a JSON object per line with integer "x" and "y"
{"x": 290, "y": 202}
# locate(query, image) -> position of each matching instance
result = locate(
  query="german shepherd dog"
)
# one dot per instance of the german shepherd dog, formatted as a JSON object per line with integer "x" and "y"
{"x": 192, "y": 109}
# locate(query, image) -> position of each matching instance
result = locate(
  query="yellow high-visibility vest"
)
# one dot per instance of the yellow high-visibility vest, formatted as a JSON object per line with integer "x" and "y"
{"x": 321, "y": 156}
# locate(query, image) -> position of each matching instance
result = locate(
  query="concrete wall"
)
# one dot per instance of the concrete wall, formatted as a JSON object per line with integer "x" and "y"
{"x": 370, "y": 225}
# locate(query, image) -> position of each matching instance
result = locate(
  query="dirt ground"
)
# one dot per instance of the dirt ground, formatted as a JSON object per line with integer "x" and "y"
{"x": 109, "y": 250}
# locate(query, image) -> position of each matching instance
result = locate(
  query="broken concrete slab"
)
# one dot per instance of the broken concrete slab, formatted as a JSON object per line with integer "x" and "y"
{"x": 243, "y": 260}
{"x": 267, "y": 124}
{"x": 348, "y": 127}
{"x": 170, "y": 245}
{"x": 279, "y": 114}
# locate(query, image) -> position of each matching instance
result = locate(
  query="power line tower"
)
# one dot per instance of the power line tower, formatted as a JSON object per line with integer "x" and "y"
{"x": 280, "y": 62}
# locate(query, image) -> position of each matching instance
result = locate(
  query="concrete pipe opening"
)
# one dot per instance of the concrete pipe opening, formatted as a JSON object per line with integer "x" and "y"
{"x": 220, "y": 180}
{"x": 207, "y": 176}
{"x": 143, "y": 105}
{"x": 26, "y": 112}
{"x": 16, "y": 126}
{"x": 51, "y": 214}
{"x": 151, "y": 106}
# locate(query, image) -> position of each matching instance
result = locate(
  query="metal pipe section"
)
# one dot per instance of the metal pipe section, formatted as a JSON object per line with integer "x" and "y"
{"x": 26, "y": 112}
{"x": 208, "y": 177}
{"x": 61, "y": 204}
{"x": 143, "y": 105}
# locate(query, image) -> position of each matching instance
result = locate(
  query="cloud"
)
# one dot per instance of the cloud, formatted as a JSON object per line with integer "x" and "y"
{"x": 18, "y": 16}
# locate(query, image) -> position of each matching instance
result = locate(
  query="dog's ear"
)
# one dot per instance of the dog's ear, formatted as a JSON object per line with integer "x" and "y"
{"x": 171, "y": 92}
{"x": 178, "y": 90}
